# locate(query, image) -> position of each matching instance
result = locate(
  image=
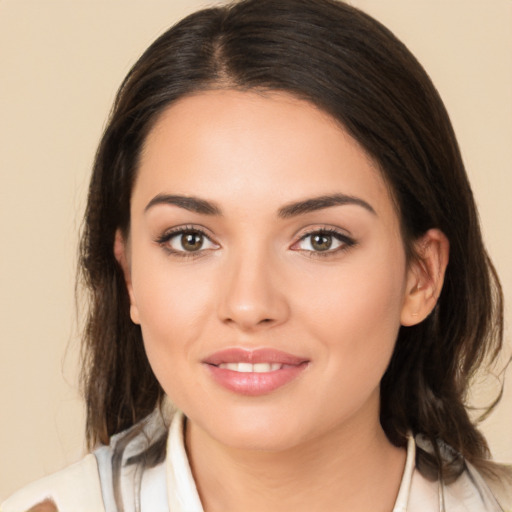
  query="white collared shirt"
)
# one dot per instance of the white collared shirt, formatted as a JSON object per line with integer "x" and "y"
{"x": 169, "y": 486}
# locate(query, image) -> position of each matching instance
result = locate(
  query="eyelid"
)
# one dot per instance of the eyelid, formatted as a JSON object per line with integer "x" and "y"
{"x": 347, "y": 241}
{"x": 339, "y": 234}
{"x": 169, "y": 234}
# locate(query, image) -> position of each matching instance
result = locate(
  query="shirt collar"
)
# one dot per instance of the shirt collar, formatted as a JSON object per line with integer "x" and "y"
{"x": 182, "y": 491}
{"x": 405, "y": 486}
{"x": 181, "y": 488}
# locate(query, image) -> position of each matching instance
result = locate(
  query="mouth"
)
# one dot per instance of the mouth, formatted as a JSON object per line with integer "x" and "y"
{"x": 254, "y": 372}
{"x": 255, "y": 357}
{"x": 251, "y": 368}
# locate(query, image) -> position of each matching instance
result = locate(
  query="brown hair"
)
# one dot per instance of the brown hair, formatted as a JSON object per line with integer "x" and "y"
{"x": 348, "y": 64}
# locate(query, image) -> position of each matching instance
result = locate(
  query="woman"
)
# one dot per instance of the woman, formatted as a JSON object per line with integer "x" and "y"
{"x": 281, "y": 239}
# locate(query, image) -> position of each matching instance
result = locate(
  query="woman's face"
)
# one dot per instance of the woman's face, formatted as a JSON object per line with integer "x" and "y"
{"x": 265, "y": 267}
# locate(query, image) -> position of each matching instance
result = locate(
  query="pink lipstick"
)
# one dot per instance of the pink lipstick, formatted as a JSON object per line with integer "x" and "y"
{"x": 254, "y": 372}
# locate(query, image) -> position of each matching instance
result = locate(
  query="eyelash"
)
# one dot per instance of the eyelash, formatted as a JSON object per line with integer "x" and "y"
{"x": 167, "y": 236}
{"x": 345, "y": 240}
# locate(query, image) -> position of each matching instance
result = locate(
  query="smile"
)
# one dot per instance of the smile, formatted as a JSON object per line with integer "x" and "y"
{"x": 251, "y": 368}
{"x": 254, "y": 372}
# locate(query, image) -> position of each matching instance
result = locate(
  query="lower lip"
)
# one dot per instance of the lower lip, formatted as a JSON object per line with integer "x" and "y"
{"x": 252, "y": 383}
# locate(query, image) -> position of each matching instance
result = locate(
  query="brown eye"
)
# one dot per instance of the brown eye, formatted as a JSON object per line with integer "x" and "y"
{"x": 192, "y": 241}
{"x": 324, "y": 241}
{"x": 321, "y": 242}
{"x": 186, "y": 241}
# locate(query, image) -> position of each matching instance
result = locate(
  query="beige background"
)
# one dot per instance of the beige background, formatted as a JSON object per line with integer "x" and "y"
{"x": 60, "y": 64}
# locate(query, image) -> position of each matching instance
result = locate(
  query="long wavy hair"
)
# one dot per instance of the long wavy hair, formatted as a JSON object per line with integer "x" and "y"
{"x": 356, "y": 70}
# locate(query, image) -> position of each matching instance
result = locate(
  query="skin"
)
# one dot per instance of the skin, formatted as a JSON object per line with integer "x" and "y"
{"x": 45, "y": 506}
{"x": 257, "y": 281}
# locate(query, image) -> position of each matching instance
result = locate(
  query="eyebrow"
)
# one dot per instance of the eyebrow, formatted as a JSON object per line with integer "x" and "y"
{"x": 193, "y": 204}
{"x": 321, "y": 202}
{"x": 201, "y": 206}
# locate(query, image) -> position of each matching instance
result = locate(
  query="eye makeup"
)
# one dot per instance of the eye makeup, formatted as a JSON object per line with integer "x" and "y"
{"x": 192, "y": 241}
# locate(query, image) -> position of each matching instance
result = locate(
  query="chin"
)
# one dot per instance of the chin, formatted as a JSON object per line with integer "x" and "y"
{"x": 255, "y": 440}
{"x": 253, "y": 428}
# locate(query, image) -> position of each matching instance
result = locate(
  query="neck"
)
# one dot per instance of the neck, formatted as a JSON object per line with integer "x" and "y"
{"x": 362, "y": 473}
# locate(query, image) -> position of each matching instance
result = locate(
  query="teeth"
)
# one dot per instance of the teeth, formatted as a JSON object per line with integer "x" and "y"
{"x": 244, "y": 367}
{"x": 262, "y": 367}
{"x": 251, "y": 368}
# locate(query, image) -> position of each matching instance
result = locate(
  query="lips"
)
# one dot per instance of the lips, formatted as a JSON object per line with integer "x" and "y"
{"x": 249, "y": 368}
{"x": 262, "y": 355}
{"x": 254, "y": 372}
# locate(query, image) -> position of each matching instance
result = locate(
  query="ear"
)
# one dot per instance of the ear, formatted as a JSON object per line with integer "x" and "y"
{"x": 425, "y": 276}
{"x": 121, "y": 253}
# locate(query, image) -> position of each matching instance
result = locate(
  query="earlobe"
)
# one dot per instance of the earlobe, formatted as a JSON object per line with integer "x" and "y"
{"x": 121, "y": 253}
{"x": 425, "y": 277}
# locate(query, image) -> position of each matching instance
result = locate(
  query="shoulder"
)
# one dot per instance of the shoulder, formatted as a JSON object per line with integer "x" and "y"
{"x": 88, "y": 485}
{"x": 492, "y": 493}
{"x": 76, "y": 485}
{"x": 500, "y": 485}
{"x": 472, "y": 491}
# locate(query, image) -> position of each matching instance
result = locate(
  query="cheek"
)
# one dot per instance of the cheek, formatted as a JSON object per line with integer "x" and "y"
{"x": 173, "y": 306}
{"x": 173, "y": 316}
{"x": 356, "y": 312}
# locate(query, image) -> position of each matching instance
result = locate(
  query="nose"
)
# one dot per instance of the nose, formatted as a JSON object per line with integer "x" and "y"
{"x": 251, "y": 295}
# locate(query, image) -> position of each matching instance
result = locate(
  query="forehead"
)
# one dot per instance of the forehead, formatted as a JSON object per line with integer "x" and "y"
{"x": 266, "y": 148}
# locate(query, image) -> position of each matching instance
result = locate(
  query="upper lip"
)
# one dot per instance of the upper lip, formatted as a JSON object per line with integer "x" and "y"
{"x": 253, "y": 356}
